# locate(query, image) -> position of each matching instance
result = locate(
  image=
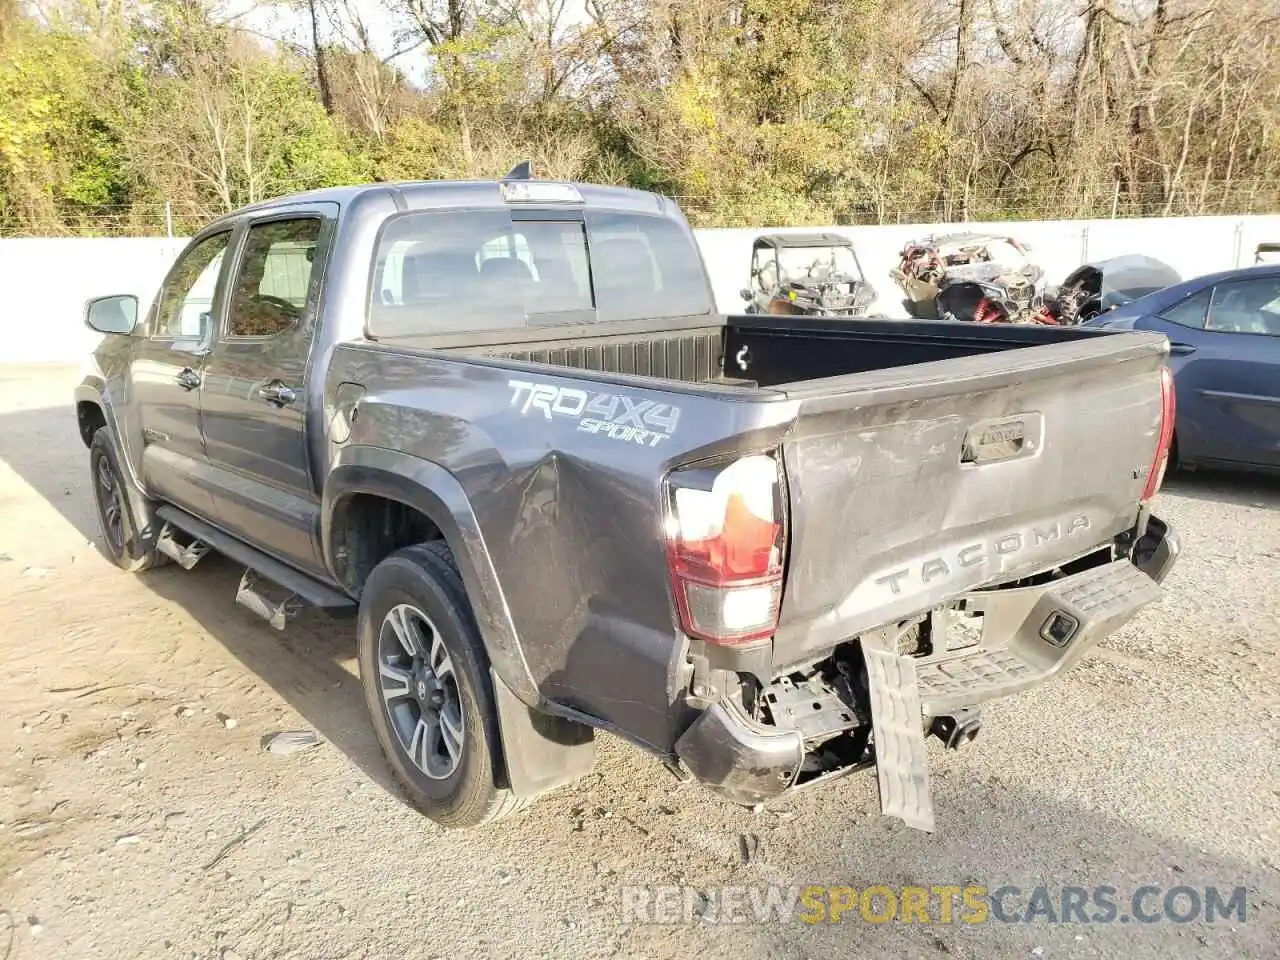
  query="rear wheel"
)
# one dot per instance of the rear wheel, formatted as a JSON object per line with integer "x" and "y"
{"x": 121, "y": 537}
{"x": 426, "y": 683}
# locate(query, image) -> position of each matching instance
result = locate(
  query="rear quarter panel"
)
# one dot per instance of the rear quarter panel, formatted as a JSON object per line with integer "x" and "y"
{"x": 564, "y": 477}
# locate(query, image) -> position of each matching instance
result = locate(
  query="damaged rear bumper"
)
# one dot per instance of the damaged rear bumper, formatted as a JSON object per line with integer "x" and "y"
{"x": 743, "y": 761}
{"x": 1157, "y": 549}
{"x": 1029, "y": 634}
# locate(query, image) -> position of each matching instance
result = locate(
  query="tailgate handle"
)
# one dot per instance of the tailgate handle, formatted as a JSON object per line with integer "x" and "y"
{"x": 996, "y": 440}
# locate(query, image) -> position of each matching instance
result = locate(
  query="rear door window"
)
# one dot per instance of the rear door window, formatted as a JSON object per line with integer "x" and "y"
{"x": 1189, "y": 312}
{"x": 1246, "y": 306}
{"x": 270, "y": 291}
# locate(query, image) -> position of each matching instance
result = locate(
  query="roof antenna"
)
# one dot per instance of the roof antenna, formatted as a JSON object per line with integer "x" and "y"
{"x": 521, "y": 171}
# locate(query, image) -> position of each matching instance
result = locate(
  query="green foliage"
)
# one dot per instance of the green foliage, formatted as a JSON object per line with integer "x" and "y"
{"x": 60, "y": 145}
{"x": 417, "y": 149}
{"x": 752, "y": 112}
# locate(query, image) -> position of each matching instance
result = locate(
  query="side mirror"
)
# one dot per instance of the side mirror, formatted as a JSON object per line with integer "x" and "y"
{"x": 115, "y": 314}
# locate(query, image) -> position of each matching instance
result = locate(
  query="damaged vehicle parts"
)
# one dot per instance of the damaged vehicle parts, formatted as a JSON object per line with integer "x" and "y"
{"x": 982, "y": 278}
{"x": 1095, "y": 288}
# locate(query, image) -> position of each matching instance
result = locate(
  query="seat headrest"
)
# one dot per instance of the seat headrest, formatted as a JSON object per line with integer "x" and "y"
{"x": 505, "y": 268}
{"x": 622, "y": 255}
{"x": 435, "y": 272}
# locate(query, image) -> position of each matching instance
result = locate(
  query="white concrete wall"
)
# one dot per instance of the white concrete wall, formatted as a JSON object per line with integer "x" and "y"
{"x": 45, "y": 282}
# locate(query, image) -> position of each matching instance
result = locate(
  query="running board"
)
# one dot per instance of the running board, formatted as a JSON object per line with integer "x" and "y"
{"x": 305, "y": 588}
{"x": 184, "y": 556}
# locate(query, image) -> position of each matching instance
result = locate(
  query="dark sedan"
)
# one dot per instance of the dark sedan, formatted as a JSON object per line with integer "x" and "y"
{"x": 1224, "y": 332}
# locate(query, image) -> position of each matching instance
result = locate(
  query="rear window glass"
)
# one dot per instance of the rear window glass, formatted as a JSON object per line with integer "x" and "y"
{"x": 449, "y": 272}
{"x": 645, "y": 268}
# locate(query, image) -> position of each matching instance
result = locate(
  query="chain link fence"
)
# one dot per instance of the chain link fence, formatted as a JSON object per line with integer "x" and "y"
{"x": 1090, "y": 202}
{"x": 763, "y": 209}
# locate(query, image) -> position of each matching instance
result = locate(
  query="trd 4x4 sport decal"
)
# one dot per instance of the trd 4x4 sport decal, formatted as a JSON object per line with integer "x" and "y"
{"x": 611, "y": 415}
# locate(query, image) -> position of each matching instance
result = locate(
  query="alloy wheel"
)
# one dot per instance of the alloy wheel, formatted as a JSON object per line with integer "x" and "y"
{"x": 110, "y": 506}
{"x": 420, "y": 691}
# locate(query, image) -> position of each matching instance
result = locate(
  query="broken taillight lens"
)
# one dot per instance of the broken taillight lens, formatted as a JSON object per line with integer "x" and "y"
{"x": 1168, "y": 413}
{"x": 725, "y": 539}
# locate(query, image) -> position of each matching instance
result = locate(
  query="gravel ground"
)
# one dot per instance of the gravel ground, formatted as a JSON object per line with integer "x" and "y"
{"x": 141, "y": 816}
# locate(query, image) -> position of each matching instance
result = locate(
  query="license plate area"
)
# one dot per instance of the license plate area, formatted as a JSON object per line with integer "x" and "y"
{"x": 810, "y": 705}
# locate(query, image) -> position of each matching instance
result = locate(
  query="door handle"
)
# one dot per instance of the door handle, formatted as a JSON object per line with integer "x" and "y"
{"x": 277, "y": 393}
{"x": 188, "y": 379}
{"x": 1181, "y": 349}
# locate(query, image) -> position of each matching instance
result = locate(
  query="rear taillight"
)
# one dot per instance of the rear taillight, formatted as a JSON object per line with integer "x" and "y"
{"x": 1168, "y": 412}
{"x": 725, "y": 539}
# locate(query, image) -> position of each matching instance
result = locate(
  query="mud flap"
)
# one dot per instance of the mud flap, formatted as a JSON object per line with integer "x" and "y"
{"x": 902, "y": 768}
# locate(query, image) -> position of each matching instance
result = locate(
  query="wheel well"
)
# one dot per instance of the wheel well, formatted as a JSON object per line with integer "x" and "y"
{"x": 90, "y": 418}
{"x": 367, "y": 529}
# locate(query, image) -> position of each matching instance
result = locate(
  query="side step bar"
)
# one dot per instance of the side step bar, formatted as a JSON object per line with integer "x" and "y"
{"x": 300, "y": 586}
{"x": 185, "y": 557}
{"x": 278, "y": 613}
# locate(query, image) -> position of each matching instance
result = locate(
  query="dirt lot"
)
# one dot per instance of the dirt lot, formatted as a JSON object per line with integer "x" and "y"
{"x": 142, "y": 818}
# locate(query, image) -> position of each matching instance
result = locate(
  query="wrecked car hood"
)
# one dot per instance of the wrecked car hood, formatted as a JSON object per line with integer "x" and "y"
{"x": 1126, "y": 278}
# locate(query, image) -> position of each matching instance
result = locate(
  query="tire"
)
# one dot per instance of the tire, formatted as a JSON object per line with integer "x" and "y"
{"x": 417, "y": 592}
{"x": 122, "y": 542}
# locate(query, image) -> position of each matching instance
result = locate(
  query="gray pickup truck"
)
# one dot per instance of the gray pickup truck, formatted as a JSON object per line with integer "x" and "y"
{"x": 502, "y": 423}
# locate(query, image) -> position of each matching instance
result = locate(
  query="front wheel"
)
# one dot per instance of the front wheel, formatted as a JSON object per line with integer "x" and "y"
{"x": 426, "y": 683}
{"x": 122, "y": 539}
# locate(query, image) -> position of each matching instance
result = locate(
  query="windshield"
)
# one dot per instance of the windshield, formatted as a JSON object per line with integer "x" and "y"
{"x": 798, "y": 263}
{"x": 465, "y": 271}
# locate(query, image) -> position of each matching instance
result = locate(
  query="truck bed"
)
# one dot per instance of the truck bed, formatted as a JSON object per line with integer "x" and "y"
{"x": 778, "y": 350}
{"x": 950, "y": 469}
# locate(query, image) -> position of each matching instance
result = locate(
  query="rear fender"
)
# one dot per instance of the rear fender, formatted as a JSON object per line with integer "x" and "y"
{"x": 437, "y": 494}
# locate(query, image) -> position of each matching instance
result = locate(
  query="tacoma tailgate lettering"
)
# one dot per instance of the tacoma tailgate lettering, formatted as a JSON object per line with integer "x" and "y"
{"x": 976, "y": 554}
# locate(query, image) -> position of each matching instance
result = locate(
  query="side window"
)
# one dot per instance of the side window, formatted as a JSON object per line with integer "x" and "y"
{"x": 1246, "y": 306}
{"x": 186, "y": 302}
{"x": 269, "y": 293}
{"x": 1189, "y": 312}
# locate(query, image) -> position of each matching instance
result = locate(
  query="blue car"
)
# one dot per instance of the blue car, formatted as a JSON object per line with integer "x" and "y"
{"x": 1224, "y": 335}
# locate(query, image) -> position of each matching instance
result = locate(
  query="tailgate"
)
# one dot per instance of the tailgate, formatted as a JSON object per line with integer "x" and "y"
{"x": 910, "y": 485}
